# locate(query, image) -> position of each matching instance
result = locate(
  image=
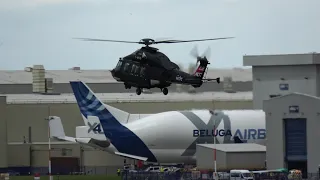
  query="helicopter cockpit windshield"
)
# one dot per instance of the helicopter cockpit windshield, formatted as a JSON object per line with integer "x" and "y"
{"x": 117, "y": 68}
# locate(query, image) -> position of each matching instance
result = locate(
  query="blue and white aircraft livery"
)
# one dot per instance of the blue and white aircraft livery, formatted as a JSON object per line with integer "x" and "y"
{"x": 167, "y": 137}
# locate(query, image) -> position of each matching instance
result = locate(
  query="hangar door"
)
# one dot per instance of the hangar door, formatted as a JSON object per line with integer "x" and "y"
{"x": 65, "y": 165}
{"x": 296, "y": 144}
{"x": 296, "y": 139}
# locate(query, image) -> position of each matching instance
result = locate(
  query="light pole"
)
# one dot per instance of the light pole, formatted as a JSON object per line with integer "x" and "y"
{"x": 49, "y": 147}
{"x": 214, "y": 143}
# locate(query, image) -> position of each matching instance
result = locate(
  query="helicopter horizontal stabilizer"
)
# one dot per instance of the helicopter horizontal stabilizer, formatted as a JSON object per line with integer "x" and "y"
{"x": 208, "y": 80}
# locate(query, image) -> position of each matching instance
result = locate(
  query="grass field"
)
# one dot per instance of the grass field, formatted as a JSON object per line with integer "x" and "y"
{"x": 70, "y": 177}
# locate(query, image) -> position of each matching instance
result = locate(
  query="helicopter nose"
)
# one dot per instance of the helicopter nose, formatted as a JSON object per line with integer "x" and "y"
{"x": 112, "y": 72}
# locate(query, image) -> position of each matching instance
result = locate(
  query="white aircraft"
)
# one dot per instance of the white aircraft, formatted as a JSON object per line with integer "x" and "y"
{"x": 167, "y": 137}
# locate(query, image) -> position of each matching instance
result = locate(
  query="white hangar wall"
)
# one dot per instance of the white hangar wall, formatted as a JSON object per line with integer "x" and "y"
{"x": 3, "y": 133}
{"x": 231, "y": 156}
{"x": 276, "y": 75}
{"x": 292, "y": 125}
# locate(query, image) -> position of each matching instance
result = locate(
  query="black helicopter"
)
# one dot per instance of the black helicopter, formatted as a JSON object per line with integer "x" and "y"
{"x": 149, "y": 68}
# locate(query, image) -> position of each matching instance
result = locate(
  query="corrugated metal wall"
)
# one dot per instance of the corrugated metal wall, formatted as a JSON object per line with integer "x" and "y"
{"x": 3, "y": 132}
{"x": 118, "y": 88}
{"x": 246, "y": 160}
{"x": 267, "y": 81}
{"x": 205, "y": 158}
{"x": 22, "y": 116}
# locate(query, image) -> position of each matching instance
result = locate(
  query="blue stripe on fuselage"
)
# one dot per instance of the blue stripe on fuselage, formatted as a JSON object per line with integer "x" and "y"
{"x": 120, "y": 136}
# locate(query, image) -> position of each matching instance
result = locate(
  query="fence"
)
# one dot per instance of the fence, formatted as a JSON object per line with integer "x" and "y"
{"x": 200, "y": 176}
{"x": 141, "y": 175}
{"x": 85, "y": 170}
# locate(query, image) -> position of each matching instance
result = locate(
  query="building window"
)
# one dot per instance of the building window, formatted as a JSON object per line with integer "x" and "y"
{"x": 274, "y": 95}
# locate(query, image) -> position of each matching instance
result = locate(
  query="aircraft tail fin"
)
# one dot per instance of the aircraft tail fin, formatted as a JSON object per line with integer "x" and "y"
{"x": 57, "y": 130}
{"x": 90, "y": 105}
{"x": 236, "y": 139}
{"x": 56, "y": 127}
{"x": 111, "y": 120}
{"x": 202, "y": 70}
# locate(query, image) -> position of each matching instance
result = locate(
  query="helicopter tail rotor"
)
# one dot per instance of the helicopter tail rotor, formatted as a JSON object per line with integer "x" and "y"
{"x": 202, "y": 63}
{"x": 205, "y": 56}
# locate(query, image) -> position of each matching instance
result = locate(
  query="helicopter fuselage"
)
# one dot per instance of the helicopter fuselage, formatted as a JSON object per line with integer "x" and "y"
{"x": 135, "y": 74}
{"x": 142, "y": 75}
{"x": 148, "y": 68}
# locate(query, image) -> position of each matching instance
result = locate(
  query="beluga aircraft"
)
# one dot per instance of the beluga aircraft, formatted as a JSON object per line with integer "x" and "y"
{"x": 166, "y": 137}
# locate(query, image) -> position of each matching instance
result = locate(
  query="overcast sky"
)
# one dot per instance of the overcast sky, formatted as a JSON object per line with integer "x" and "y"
{"x": 41, "y": 31}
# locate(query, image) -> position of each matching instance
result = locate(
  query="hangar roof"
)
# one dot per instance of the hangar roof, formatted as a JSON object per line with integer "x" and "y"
{"x": 281, "y": 59}
{"x": 104, "y": 76}
{"x": 293, "y": 94}
{"x": 239, "y": 147}
{"x": 129, "y": 97}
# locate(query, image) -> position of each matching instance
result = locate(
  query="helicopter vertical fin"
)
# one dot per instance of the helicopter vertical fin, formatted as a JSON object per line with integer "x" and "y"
{"x": 201, "y": 69}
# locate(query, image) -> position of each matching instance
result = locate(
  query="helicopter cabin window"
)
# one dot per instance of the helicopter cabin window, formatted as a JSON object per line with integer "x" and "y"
{"x": 142, "y": 71}
{"x": 127, "y": 67}
{"x": 137, "y": 70}
{"x": 133, "y": 69}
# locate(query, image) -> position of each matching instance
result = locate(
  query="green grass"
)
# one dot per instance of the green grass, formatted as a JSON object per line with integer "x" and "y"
{"x": 70, "y": 177}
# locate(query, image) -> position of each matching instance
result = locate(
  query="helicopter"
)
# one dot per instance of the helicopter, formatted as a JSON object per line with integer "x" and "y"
{"x": 148, "y": 68}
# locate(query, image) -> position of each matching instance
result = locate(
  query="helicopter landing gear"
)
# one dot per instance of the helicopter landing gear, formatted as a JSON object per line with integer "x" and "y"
{"x": 165, "y": 91}
{"x": 138, "y": 91}
{"x": 127, "y": 86}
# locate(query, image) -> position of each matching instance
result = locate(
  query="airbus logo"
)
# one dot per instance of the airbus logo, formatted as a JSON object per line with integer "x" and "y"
{"x": 95, "y": 127}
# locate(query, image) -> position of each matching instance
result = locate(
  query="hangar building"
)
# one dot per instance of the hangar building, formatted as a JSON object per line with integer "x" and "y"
{"x": 24, "y": 129}
{"x": 276, "y": 75}
{"x": 231, "y": 156}
{"x": 25, "y": 119}
{"x": 292, "y": 123}
{"x": 287, "y": 88}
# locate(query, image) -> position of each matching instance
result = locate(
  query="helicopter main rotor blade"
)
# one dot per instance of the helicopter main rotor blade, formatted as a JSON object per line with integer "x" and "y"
{"x": 182, "y": 41}
{"x": 162, "y": 39}
{"x": 194, "y": 52}
{"x": 106, "y": 40}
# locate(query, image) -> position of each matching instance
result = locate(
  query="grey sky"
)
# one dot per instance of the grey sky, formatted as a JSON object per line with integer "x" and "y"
{"x": 41, "y": 31}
